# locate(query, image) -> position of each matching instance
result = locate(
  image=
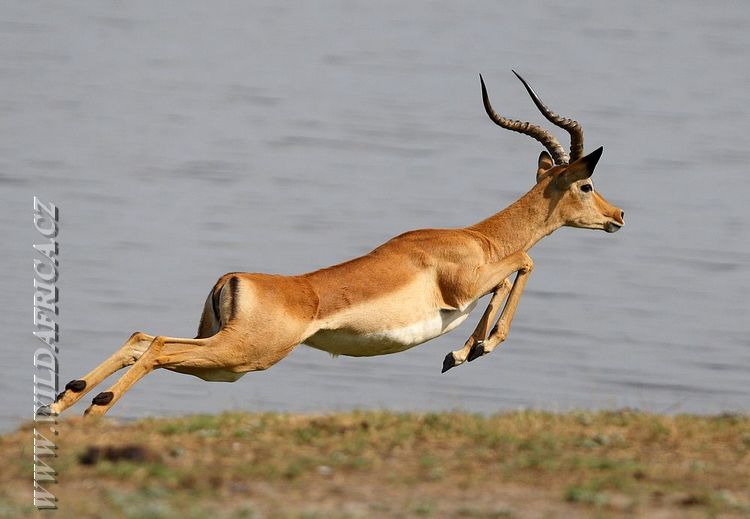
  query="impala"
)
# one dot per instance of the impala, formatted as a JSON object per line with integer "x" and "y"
{"x": 415, "y": 287}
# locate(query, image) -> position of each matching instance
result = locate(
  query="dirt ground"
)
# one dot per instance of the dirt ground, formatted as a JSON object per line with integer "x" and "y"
{"x": 383, "y": 464}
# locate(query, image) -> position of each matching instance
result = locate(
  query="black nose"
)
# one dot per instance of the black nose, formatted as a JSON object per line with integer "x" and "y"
{"x": 622, "y": 215}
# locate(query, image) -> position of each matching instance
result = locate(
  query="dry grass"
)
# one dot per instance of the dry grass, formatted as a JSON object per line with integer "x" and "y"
{"x": 383, "y": 464}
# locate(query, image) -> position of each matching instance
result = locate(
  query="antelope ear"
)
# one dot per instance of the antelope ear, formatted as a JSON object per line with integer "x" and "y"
{"x": 545, "y": 162}
{"x": 580, "y": 169}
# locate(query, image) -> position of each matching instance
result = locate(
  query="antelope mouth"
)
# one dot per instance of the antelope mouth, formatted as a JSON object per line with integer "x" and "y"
{"x": 612, "y": 227}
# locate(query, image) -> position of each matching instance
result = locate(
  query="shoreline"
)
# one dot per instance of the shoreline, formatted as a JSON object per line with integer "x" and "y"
{"x": 622, "y": 463}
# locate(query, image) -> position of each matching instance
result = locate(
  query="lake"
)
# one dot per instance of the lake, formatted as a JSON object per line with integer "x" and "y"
{"x": 185, "y": 140}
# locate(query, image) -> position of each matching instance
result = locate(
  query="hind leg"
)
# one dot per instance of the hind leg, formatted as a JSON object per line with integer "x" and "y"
{"x": 130, "y": 352}
{"x": 126, "y": 355}
{"x": 211, "y": 358}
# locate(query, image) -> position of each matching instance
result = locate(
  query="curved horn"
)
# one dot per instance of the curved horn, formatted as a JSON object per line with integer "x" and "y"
{"x": 532, "y": 130}
{"x": 572, "y": 127}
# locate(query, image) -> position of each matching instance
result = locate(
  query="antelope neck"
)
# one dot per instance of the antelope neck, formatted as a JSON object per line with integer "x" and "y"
{"x": 521, "y": 225}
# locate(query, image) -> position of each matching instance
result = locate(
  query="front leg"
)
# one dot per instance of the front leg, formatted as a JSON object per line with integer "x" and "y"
{"x": 458, "y": 357}
{"x": 500, "y": 331}
{"x": 490, "y": 277}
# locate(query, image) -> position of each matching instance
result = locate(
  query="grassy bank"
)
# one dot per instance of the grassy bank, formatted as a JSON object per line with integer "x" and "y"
{"x": 383, "y": 464}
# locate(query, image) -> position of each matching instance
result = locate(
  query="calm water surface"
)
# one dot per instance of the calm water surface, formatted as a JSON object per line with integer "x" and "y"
{"x": 184, "y": 141}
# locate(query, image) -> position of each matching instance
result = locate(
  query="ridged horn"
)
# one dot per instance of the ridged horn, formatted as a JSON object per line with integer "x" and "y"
{"x": 532, "y": 130}
{"x": 572, "y": 127}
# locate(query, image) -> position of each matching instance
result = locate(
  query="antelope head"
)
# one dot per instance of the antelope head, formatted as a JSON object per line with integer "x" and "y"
{"x": 565, "y": 180}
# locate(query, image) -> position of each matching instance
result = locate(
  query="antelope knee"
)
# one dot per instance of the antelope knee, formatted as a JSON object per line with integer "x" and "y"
{"x": 137, "y": 344}
{"x": 137, "y": 337}
{"x": 527, "y": 265}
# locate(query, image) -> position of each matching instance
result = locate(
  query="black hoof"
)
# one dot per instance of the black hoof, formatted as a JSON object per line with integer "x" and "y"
{"x": 76, "y": 386}
{"x": 103, "y": 398}
{"x": 476, "y": 351}
{"x": 449, "y": 362}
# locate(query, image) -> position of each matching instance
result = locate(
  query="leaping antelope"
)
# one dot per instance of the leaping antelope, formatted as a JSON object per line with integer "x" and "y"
{"x": 413, "y": 288}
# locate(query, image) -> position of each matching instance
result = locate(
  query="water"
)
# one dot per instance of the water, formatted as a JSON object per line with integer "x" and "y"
{"x": 184, "y": 141}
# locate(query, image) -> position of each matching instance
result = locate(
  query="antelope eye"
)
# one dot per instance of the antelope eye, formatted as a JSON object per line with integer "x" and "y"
{"x": 586, "y": 188}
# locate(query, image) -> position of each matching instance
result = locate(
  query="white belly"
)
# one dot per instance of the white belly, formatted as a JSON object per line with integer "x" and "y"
{"x": 349, "y": 342}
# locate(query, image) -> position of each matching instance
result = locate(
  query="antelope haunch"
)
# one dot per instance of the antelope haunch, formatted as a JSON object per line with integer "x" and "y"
{"x": 413, "y": 288}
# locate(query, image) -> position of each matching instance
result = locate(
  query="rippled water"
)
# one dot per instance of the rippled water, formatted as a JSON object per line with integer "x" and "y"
{"x": 183, "y": 141}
